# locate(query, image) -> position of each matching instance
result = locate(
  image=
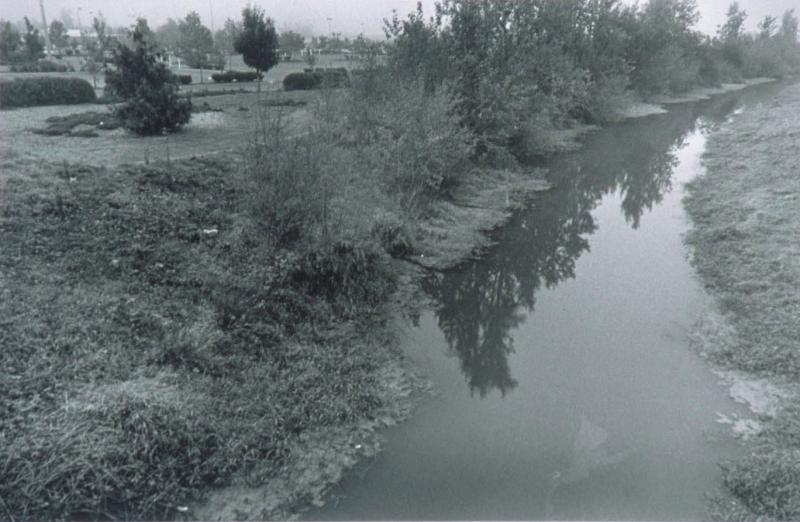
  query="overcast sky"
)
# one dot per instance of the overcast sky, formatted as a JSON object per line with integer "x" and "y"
{"x": 345, "y": 16}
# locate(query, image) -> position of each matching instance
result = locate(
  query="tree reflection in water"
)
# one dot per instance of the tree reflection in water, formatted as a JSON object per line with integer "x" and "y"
{"x": 480, "y": 304}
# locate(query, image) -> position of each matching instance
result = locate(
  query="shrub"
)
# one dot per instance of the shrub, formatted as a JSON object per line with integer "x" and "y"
{"x": 393, "y": 234}
{"x": 288, "y": 186}
{"x": 413, "y": 141}
{"x": 319, "y": 78}
{"x": 236, "y": 76}
{"x": 346, "y": 275}
{"x": 29, "y": 92}
{"x": 41, "y": 66}
{"x": 185, "y": 79}
{"x": 302, "y": 81}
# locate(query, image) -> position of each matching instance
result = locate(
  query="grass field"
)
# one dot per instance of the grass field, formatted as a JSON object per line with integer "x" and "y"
{"x": 746, "y": 242}
{"x": 229, "y": 125}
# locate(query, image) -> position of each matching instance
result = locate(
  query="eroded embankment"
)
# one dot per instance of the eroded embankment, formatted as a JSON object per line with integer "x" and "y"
{"x": 746, "y": 241}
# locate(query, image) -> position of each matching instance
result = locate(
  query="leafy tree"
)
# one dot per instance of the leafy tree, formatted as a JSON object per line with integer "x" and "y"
{"x": 731, "y": 34}
{"x": 58, "y": 34}
{"x": 257, "y": 41}
{"x": 766, "y": 27}
{"x": 225, "y": 37}
{"x": 34, "y": 48}
{"x": 10, "y": 42}
{"x": 102, "y": 44}
{"x": 66, "y": 18}
{"x": 168, "y": 34}
{"x": 291, "y": 42}
{"x": 663, "y": 46}
{"x": 195, "y": 42}
{"x": 732, "y": 29}
{"x": 788, "y": 30}
{"x": 150, "y": 90}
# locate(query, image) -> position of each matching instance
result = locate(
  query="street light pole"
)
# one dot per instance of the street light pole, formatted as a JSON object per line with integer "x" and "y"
{"x": 46, "y": 31}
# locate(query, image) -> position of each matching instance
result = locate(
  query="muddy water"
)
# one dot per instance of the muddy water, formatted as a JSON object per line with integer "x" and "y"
{"x": 566, "y": 386}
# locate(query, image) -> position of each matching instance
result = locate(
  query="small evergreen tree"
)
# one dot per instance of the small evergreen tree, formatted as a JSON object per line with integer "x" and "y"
{"x": 149, "y": 89}
{"x": 257, "y": 40}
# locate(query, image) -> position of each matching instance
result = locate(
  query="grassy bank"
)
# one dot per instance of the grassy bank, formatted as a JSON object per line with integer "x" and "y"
{"x": 209, "y": 337}
{"x": 157, "y": 344}
{"x": 745, "y": 239}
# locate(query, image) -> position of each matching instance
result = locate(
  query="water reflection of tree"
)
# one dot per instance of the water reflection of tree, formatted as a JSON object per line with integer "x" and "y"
{"x": 479, "y": 305}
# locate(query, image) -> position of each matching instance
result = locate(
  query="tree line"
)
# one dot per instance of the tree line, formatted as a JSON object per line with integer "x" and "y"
{"x": 511, "y": 65}
{"x": 188, "y": 38}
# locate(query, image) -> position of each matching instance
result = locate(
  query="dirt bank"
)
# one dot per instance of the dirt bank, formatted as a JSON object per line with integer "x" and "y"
{"x": 746, "y": 215}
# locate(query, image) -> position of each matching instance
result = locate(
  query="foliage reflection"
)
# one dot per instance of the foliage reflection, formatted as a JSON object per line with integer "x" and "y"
{"x": 480, "y": 304}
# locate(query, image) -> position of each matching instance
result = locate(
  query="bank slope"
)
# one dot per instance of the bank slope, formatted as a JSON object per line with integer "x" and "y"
{"x": 746, "y": 242}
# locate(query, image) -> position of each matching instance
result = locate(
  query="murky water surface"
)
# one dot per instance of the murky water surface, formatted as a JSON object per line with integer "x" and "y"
{"x": 566, "y": 385}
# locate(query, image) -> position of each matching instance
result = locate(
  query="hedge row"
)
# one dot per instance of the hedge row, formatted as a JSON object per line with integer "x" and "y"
{"x": 184, "y": 79}
{"x": 29, "y": 92}
{"x": 316, "y": 79}
{"x": 40, "y": 66}
{"x": 236, "y": 76}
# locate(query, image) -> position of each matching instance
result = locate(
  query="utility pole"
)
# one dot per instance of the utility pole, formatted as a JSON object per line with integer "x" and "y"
{"x": 46, "y": 29}
{"x": 211, "y": 13}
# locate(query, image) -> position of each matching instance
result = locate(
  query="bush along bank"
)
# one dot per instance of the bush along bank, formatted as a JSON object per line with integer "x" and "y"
{"x": 746, "y": 216}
